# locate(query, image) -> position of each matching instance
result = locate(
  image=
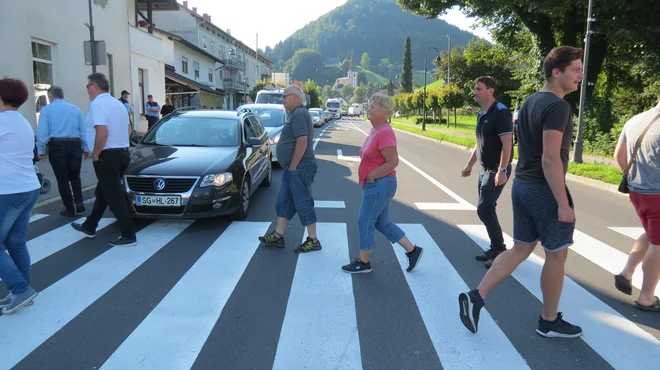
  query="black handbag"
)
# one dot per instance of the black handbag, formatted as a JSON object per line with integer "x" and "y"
{"x": 623, "y": 185}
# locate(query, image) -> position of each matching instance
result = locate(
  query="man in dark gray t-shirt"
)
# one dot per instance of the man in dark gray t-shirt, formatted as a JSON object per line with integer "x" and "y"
{"x": 299, "y": 124}
{"x": 295, "y": 152}
{"x": 542, "y": 205}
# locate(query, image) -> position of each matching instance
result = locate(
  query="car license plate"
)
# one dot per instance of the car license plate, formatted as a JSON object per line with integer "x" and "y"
{"x": 158, "y": 200}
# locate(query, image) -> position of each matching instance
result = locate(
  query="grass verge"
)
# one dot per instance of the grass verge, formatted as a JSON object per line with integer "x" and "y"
{"x": 596, "y": 171}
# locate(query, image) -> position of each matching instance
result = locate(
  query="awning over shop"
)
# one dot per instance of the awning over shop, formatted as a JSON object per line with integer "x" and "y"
{"x": 177, "y": 84}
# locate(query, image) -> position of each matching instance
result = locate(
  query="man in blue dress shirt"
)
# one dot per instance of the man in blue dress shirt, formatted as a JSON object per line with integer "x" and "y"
{"x": 62, "y": 131}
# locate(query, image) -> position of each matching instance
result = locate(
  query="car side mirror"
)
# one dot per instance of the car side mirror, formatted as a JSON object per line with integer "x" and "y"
{"x": 254, "y": 142}
{"x": 135, "y": 139}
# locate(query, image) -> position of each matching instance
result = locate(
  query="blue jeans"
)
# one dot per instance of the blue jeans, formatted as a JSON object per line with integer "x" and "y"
{"x": 375, "y": 212}
{"x": 15, "y": 212}
{"x": 295, "y": 194}
{"x": 488, "y": 196}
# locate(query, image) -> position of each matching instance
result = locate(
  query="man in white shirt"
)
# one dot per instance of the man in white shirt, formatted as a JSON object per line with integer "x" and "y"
{"x": 110, "y": 158}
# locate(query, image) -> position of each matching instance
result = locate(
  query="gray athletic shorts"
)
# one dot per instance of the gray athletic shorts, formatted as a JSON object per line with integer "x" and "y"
{"x": 535, "y": 217}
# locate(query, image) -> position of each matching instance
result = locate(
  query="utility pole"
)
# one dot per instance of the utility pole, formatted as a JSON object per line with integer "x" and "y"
{"x": 577, "y": 153}
{"x": 91, "y": 37}
{"x": 448, "y": 69}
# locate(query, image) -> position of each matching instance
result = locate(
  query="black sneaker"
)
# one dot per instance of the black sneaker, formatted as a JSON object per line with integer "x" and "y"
{"x": 357, "y": 267}
{"x": 308, "y": 246}
{"x": 79, "y": 227}
{"x": 558, "y": 328}
{"x": 485, "y": 256}
{"x": 271, "y": 240}
{"x": 80, "y": 208}
{"x": 123, "y": 242}
{"x": 470, "y": 305}
{"x": 493, "y": 255}
{"x": 414, "y": 257}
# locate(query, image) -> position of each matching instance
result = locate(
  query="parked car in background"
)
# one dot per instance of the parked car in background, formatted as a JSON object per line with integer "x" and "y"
{"x": 272, "y": 117}
{"x": 198, "y": 163}
{"x": 327, "y": 115}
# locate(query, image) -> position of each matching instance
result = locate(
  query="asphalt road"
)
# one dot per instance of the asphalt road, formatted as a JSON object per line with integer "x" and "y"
{"x": 203, "y": 295}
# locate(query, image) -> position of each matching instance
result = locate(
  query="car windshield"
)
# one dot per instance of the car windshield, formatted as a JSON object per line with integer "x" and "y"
{"x": 314, "y": 113}
{"x": 333, "y": 105}
{"x": 266, "y": 98}
{"x": 270, "y": 117}
{"x": 194, "y": 131}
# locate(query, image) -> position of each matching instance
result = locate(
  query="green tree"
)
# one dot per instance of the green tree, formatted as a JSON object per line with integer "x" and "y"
{"x": 433, "y": 103}
{"x": 362, "y": 78}
{"x": 347, "y": 92}
{"x": 365, "y": 62}
{"x": 407, "y": 69}
{"x": 451, "y": 97}
{"x": 310, "y": 87}
{"x": 359, "y": 94}
{"x": 345, "y": 66}
{"x": 306, "y": 64}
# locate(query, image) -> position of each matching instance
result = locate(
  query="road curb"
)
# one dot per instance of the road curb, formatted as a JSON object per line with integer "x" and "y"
{"x": 49, "y": 205}
{"x": 569, "y": 176}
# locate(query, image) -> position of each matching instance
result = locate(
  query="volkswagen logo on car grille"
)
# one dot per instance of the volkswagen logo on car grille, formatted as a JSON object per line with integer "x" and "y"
{"x": 159, "y": 184}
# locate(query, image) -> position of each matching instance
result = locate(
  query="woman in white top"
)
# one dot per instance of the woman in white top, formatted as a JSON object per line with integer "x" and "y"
{"x": 19, "y": 190}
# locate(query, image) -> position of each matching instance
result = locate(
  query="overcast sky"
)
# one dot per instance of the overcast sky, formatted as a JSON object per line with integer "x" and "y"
{"x": 275, "y": 20}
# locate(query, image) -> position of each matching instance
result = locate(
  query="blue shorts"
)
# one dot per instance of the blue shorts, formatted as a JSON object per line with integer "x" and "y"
{"x": 295, "y": 194}
{"x": 536, "y": 218}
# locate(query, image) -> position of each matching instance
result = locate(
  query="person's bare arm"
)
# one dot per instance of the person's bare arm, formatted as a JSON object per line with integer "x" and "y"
{"x": 391, "y": 162}
{"x": 100, "y": 140}
{"x": 467, "y": 171}
{"x": 505, "y": 156}
{"x": 553, "y": 170}
{"x": 621, "y": 154}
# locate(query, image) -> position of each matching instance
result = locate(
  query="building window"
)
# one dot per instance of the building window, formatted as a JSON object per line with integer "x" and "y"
{"x": 42, "y": 63}
{"x": 212, "y": 47}
{"x": 184, "y": 65}
{"x": 210, "y": 74}
{"x": 141, "y": 85}
{"x": 204, "y": 42}
{"x": 196, "y": 69}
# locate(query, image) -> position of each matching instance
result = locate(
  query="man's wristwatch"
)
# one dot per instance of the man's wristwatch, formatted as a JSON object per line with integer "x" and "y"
{"x": 502, "y": 170}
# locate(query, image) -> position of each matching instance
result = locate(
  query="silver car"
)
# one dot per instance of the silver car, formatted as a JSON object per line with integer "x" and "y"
{"x": 272, "y": 117}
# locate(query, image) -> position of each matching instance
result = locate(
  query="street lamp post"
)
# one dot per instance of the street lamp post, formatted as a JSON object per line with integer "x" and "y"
{"x": 91, "y": 37}
{"x": 448, "y": 68}
{"x": 577, "y": 153}
{"x": 424, "y": 97}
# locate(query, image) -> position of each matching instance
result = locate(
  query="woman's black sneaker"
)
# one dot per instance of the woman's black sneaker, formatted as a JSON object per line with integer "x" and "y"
{"x": 414, "y": 257}
{"x": 357, "y": 267}
{"x": 558, "y": 328}
{"x": 470, "y": 305}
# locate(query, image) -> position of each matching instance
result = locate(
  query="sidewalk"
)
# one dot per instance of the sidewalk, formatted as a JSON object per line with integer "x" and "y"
{"x": 585, "y": 157}
{"x": 87, "y": 176}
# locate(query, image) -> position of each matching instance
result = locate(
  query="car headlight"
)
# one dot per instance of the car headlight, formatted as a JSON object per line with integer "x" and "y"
{"x": 216, "y": 179}
{"x": 274, "y": 140}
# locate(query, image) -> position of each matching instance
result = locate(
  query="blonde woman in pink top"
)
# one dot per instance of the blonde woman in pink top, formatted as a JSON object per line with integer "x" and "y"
{"x": 377, "y": 174}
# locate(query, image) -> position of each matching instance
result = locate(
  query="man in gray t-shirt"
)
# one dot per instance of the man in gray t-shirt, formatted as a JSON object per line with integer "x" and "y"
{"x": 295, "y": 153}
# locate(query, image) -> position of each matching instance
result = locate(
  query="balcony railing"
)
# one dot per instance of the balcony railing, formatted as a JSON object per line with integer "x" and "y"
{"x": 235, "y": 63}
{"x": 232, "y": 83}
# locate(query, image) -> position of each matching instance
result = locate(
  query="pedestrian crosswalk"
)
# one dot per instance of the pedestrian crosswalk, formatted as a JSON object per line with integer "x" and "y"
{"x": 320, "y": 327}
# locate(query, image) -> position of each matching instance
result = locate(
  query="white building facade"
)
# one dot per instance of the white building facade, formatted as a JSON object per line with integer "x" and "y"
{"x": 240, "y": 69}
{"x": 46, "y": 48}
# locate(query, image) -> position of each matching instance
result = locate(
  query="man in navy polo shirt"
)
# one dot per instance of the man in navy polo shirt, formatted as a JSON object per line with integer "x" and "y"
{"x": 495, "y": 152}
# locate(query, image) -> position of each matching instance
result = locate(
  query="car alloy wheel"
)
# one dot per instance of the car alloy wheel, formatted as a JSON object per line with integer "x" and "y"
{"x": 245, "y": 197}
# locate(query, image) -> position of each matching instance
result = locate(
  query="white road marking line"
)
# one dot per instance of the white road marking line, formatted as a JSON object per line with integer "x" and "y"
{"x": 329, "y": 204}
{"x": 615, "y": 338}
{"x": 320, "y": 312}
{"x": 63, "y": 301}
{"x": 608, "y": 258}
{"x": 192, "y": 308}
{"x": 37, "y": 217}
{"x": 341, "y": 157}
{"x": 462, "y": 203}
{"x": 316, "y": 141}
{"x": 435, "y": 285}
{"x": 444, "y": 206}
{"x": 631, "y": 232}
